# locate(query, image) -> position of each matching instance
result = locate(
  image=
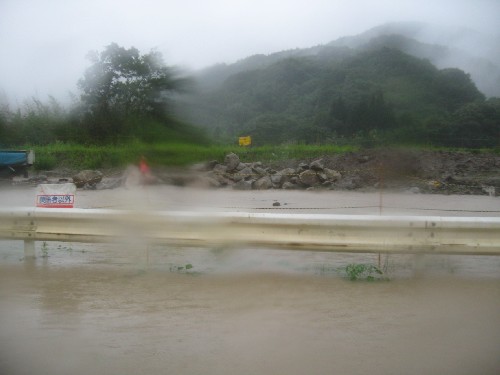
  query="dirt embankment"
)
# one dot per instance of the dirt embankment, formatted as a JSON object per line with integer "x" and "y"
{"x": 442, "y": 172}
{"x": 439, "y": 172}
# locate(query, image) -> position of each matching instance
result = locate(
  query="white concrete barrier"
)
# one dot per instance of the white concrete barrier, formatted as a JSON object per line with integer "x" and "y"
{"x": 315, "y": 232}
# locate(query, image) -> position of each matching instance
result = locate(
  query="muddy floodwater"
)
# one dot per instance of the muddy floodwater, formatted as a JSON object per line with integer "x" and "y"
{"x": 132, "y": 308}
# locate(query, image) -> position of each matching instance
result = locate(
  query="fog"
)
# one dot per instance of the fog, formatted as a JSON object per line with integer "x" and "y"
{"x": 44, "y": 43}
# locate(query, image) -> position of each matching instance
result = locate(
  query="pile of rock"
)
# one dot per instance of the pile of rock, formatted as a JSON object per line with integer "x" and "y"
{"x": 411, "y": 171}
{"x": 94, "y": 180}
{"x": 248, "y": 176}
{"x": 87, "y": 178}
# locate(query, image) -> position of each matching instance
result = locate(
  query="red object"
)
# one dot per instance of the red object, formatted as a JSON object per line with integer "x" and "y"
{"x": 144, "y": 167}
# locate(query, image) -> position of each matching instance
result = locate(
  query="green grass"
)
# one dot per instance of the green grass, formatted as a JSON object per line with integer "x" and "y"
{"x": 76, "y": 156}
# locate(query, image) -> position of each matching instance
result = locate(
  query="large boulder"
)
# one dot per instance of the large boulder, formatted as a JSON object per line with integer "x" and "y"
{"x": 259, "y": 171}
{"x": 332, "y": 175}
{"x": 220, "y": 169}
{"x": 243, "y": 174}
{"x": 309, "y": 178}
{"x": 317, "y": 165}
{"x": 263, "y": 183}
{"x": 231, "y": 161}
{"x": 87, "y": 177}
{"x": 302, "y": 167}
{"x": 276, "y": 179}
{"x": 287, "y": 174}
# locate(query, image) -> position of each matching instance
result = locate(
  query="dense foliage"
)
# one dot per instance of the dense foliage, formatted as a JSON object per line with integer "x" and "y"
{"x": 122, "y": 85}
{"x": 334, "y": 94}
{"x": 374, "y": 94}
{"x": 125, "y": 96}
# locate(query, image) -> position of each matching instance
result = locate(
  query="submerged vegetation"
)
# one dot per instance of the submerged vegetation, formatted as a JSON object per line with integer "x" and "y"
{"x": 362, "y": 271}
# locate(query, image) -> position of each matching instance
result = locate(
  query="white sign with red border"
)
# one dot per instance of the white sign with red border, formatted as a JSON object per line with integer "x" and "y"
{"x": 56, "y": 195}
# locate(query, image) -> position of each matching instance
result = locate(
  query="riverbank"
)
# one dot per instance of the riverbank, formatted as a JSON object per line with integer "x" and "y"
{"x": 414, "y": 171}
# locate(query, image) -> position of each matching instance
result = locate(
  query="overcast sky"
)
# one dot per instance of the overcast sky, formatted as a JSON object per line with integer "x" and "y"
{"x": 44, "y": 43}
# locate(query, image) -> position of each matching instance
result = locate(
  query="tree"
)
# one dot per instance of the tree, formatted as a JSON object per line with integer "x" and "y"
{"x": 456, "y": 88}
{"x": 369, "y": 113}
{"x": 121, "y": 83}
{"x": 271, "y": 129}
{"x": 476, "y": 125}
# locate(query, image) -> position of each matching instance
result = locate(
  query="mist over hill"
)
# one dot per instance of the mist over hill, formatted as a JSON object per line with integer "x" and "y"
{"x": 383, "y": 83}
{"x": 475, "y": 53}
{"x": 446, "y": 47}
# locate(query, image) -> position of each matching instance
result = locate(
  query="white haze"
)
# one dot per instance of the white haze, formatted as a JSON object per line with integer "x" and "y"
{"x": 44, "y": 44}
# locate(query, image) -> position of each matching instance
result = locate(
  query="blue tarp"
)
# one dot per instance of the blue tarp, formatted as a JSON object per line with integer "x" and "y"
{"x": 12, "y": 158}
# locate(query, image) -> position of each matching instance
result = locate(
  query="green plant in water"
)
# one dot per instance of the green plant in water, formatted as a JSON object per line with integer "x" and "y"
{"x": 176, "y": 268}
{"x": 360, "y": 271}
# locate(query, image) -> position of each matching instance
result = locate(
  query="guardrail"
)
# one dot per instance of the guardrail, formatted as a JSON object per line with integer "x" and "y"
{"x": 315, "y": 232}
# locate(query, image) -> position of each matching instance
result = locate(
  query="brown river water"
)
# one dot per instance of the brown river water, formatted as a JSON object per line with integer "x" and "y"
{"x": 137, "y": 309}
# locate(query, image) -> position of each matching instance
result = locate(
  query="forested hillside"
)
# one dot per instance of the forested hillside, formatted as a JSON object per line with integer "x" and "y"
{"x": 444, "y": 46}
{"x": 332, "y": 93}
{"x": 383, "y": 86}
